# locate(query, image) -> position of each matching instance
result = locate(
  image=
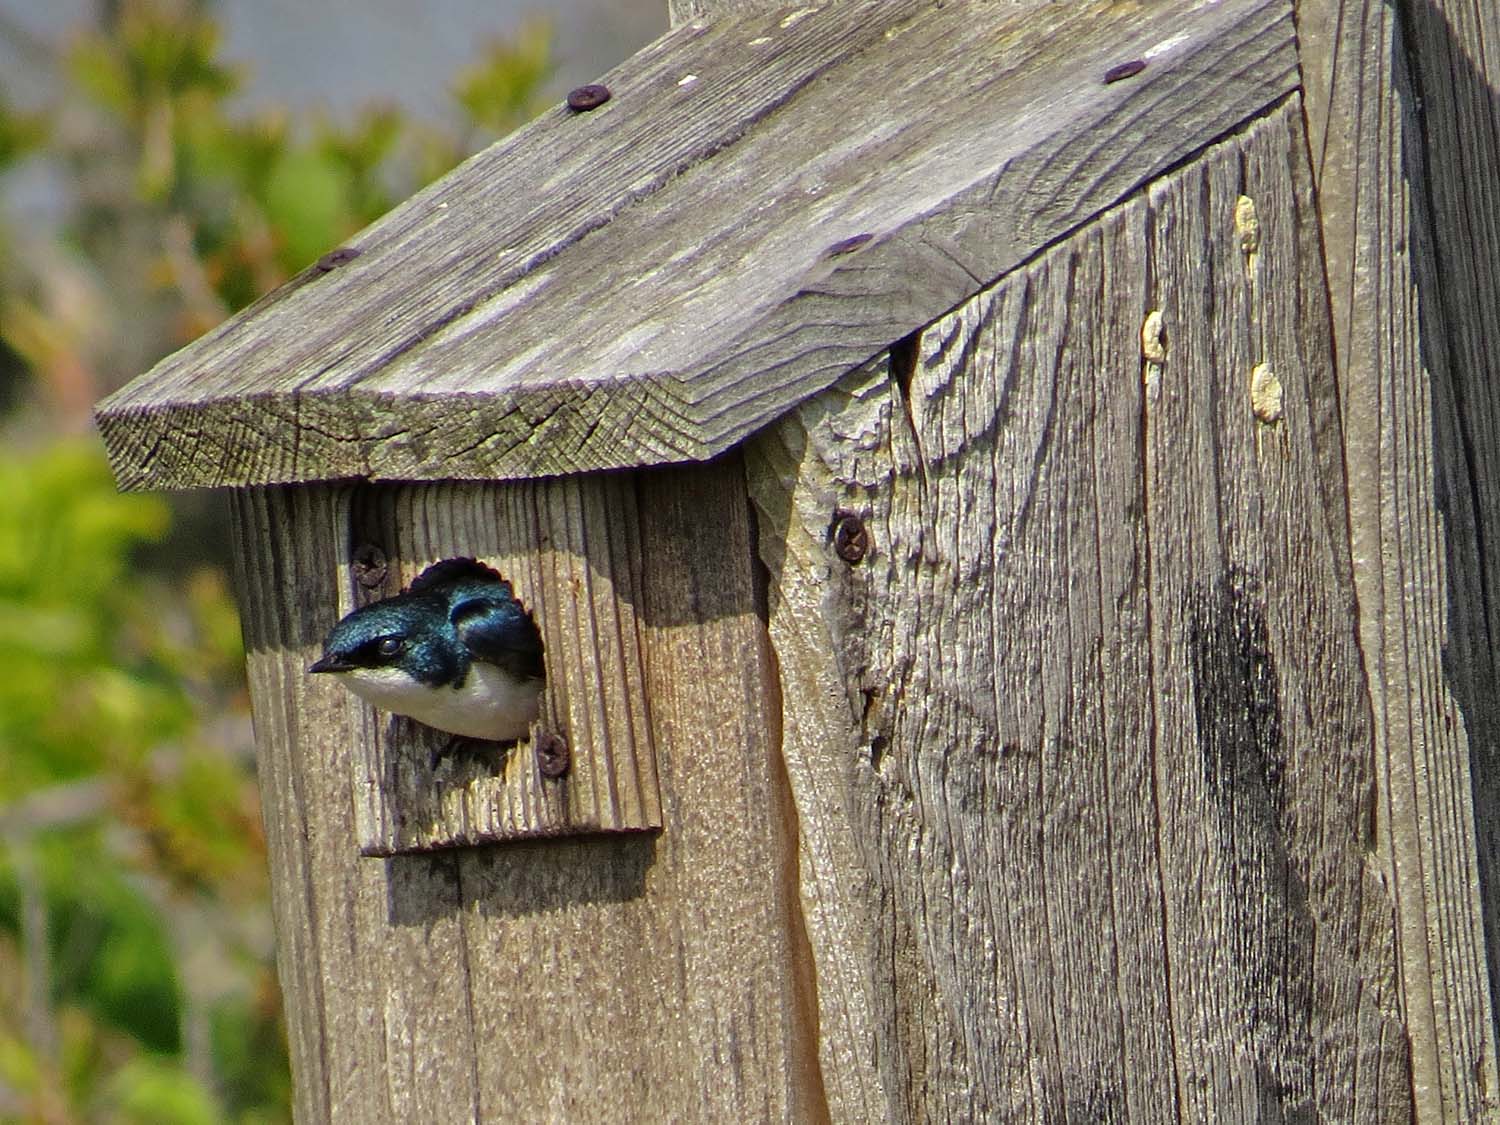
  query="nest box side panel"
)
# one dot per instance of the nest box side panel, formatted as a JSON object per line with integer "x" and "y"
{"x": 367, "y": 991}
{"x": 570, "y": 549}
{"x": 654, "y": 976}
{"x": 1076, "y": 719}
{"x": 1404, "y": 119}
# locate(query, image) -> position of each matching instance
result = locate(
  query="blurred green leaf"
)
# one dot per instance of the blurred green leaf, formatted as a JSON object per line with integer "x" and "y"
{"x": 202, "y": 814}
{"x": 20, "y": 133}
{"x": 152, "y": 52}
{"x": 100, "y": 71}
{"x": 250, "y": 1047}
{"x": 122, "y": 679}
{"x": 74, "y": 695}
{"x": 110, "y": 953}
{"x": 19, "y": 1067}
{"x": 500, "y": 91}
{"x": 152, "y": 1091}
{"x": 308, "y": 202}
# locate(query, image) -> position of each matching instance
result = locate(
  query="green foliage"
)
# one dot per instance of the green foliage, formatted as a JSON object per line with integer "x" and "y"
{"x": 250, "y": 1051}
{"x": 500, "y": 90}
{"x": 152, "y": 54}
{"x": 109, "y": 952}
{"x": 122, "y": 700}
{"x": 99, "y": 681}
{"x": 260, "y": 199}
{"x": 154, "y": 1091}
{"x": 305, "y": 196}
{"x": 77, "y": 691}
{"x": 20, "y": 133}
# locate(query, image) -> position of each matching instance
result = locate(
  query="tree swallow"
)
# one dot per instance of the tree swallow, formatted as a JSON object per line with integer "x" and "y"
{"x": 455, "y": 651}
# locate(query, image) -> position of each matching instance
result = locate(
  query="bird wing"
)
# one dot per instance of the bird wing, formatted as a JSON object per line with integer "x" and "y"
{"x": 491, "y": 623}
{"x": 495, "y": 629}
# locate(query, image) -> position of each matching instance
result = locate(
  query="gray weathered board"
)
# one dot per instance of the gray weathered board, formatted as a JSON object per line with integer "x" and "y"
{"x": 765, "y": 203}
{"x": 648, "y": 976}
{"x": 1404, "y": 130}
{"x": 1082, "y": 751}
{"x": 937, "y": 948}
{"x": 570, "y": 549}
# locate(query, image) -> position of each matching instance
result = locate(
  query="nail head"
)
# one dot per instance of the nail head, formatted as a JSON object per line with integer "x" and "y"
{"x": 588, "y": 97}
{"x": 552, "y": 754}
{"x": 851, "y": 539}
{"x": 335, "y": 258}
{"x": 1124, "y": 70}
{"x": 845, "y": 245}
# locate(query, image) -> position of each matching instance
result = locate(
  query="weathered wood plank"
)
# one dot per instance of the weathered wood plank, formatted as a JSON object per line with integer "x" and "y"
{"x": 766, "y": 203}
{"x": 680, "y": 12}
{"x": 571, "y": 550}
{"x": 1082, "y": 749}
{"x": 629, "y": 978}
{"x": 377, "y": 1013}
{"x": 1254, "y": 653}
{"x": 1403, "y": 131}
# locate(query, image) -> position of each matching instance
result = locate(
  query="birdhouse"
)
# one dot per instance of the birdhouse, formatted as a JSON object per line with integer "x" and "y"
{"x": 1013, "y": 626}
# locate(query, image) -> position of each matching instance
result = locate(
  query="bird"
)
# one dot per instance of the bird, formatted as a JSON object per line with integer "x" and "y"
{"x": 455, "y": 651}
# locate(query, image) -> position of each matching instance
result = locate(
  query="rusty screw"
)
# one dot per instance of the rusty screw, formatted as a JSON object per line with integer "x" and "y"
{"x": 588, "y": 97}
{"x": 335, "y": 258}
{"x": 552, "y": 755}
{"x": 369, "y": 565}
{"x": 1124, "y": 70}
{"x": 846, "y": 245}
{"x": 850, "y": 537}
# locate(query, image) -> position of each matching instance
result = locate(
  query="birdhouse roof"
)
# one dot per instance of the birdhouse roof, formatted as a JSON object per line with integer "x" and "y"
{"x": 762, "y": 204}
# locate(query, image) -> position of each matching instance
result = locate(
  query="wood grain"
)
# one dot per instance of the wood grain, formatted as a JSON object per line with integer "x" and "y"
{"x": 628, "y": 978}
{"x": 571, "y": 551}
{"x": 766, "y": 202}
{"x": 1403, "y": 131}
{"x": 1082, "y": 750}
{"x": 375, "y": 1010}
{"x": 680, "y": 12}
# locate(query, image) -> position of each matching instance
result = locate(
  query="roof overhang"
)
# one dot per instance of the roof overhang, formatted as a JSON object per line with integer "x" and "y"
{"x": 765, "y": 203}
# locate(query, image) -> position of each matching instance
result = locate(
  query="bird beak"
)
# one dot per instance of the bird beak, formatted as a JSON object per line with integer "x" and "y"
{"x": 330, "y": 664}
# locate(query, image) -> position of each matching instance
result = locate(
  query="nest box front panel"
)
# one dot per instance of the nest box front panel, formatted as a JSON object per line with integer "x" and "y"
{"x": 570, "y": 553}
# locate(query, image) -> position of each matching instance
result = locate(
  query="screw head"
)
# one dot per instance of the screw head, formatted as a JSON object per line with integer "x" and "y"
{"x": 335, "y": 258}
{"x": 552, "y": 754}
{"x": 847, "y": 245}
{"x": 369, "y": 565}
{"x": 849, "y": 536}
{"x": 588, "y": 97}
{"x": 1124, "y": 70}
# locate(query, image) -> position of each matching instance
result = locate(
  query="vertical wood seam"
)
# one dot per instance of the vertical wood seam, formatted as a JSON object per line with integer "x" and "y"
{"x": 804, "y": 970}
{"x": 466, "y": 975}
{"x": 1168, "y": 923}
{"x": 248, "y": 505}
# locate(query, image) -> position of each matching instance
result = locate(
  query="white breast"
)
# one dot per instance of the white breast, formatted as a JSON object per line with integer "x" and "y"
{"x": 492, "y": 704}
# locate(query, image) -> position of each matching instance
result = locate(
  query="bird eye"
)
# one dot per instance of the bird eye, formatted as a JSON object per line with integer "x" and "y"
{"x": 390, "y": 646}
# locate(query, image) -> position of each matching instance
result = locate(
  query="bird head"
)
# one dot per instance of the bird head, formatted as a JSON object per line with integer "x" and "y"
{"x": 455, "y": 651}
{"x": 408, "y": 636}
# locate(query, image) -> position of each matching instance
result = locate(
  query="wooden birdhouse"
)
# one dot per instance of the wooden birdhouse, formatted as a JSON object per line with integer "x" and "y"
{"x": 1003, "y": 489}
